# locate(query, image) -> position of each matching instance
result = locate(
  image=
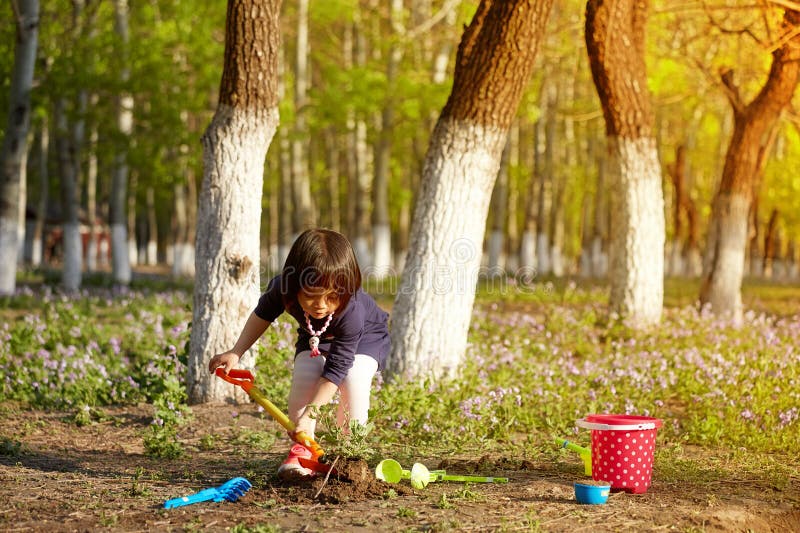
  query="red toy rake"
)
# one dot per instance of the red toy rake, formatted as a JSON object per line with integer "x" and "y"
{"x": 245, "y": 379}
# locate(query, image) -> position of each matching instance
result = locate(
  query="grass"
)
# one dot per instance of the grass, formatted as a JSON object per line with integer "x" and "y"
{"x": 540, "y": 357}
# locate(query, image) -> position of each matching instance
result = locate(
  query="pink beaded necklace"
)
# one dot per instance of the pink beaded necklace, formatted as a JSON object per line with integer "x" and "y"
{"x": 313, "y": 342}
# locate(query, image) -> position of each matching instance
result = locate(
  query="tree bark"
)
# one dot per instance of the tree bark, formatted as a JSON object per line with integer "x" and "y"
{"x": 498, "y": 216}
{"x": 677, "y": 172}
{"x": 234, "y": 148}
{"x": 771, "y": 244}
{"x": 15, "y": 141}
{"x": 615, "y": 34}
{"x": 754, "y": 132}
{"x": 493, "y": 64}
{"x": 527, "y": 251}
{"x": 304, "y": 209}
{"x": 381, "y": 231}
{"x": 120, "y": 252}
{"x": 37, "y": 250}
{"x": 70, "y": 225}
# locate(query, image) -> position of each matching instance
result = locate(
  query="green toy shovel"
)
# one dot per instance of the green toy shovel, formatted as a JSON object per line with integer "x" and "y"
{"x": 390, "y": 471}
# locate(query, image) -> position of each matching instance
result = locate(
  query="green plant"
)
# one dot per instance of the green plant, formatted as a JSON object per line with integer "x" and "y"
{"x": 351, "y": 443}
{"x": 405, "y": 512}
{"x": 443, "y": 502}
{"x": 160, "y": 438}
{"x": 136, "y": 489}
{"x": 10, "y": 448}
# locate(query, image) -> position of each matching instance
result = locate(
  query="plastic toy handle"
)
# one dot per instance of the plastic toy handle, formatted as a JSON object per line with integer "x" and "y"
{"x": 237, "y": 376}
{"x": 564, "y": 443}
{"x": 246, "y": 380}
{"x": 474, "y": 479}
{"x": 202, "y": 496}
{"x": 585, "y": 424}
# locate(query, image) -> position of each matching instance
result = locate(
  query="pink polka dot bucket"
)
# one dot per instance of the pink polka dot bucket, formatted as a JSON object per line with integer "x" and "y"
{"x": 622, "y": 450}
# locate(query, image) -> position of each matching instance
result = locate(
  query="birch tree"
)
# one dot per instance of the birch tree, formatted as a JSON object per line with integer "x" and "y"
{"x": 754, "y": 131}
{"x": 432, "y": 311}
{"x": 615, "y": 33}
{"x": 234, "y": 148}
{"x": 120, "y": 249}
{"x": 15, "y": 141}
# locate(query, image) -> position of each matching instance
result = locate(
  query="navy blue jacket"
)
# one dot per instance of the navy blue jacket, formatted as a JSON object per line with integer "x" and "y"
{"x": 362, "y": 327}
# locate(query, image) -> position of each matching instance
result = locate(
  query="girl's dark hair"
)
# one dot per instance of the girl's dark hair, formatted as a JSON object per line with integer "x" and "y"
{"x": 320, "y": 258}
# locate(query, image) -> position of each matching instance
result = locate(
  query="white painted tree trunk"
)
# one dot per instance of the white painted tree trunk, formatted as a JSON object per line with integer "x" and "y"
{"x": 382, "y": 251}
{"x": 304, "y": 208}
{"x": 676, "y": 262}
{"x": 637, "y": 231}
{"x": 73, "y": 252}
{"x": 71, "y": 237}
{"x": 152, "y": 228}
{"x": 693, "y": 264}
{"x": 599, "y": 258}
{"x": 15, "y": 139}
{"x": 527, "y": 252}
{"x": 557, "y": 261}
{"x": 497, "y": 260}
{"x": 37, "y": 247}
{"x": 183, "y": 250}
{"x": 227, "y": 283}
{"x": 440, "y": 274}
{"x": 730, "y": 243}
{"x": 543, "y": 265}
{"x": 91, "y": 198}
{"x": 121, "y": 255}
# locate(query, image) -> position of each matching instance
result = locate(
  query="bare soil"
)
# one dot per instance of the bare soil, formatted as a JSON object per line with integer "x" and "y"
{"x": 62, "y": 477}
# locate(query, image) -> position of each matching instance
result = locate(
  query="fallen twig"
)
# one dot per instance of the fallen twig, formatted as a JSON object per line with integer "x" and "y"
{"x": 327, "y": 475}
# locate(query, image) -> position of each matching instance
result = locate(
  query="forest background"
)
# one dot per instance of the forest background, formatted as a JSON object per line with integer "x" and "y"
{"x": 359, "y": 96}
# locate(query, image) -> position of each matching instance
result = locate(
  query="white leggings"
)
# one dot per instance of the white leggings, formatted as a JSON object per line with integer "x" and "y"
{"x": 354, "y": 390}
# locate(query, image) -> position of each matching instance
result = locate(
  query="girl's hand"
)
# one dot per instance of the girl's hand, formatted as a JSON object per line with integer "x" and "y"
{"x": 227, "y": 360}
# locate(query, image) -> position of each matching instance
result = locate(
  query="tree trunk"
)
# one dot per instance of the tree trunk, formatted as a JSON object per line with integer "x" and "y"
{"x": 753, "y": 133}
{"x": 771, "y": 244}
{"x": 70, "y": 225}
{"x": 381, "y": 231}
{"x": 527, "y": 251}
{"x": 493, "y": 64}
{"x": 677, "y": 172}
{"x": 285, "y": 217}
{"x": 498, "y": 215}
{"x": 44, "y": 185}
{"x": 544, "y": 264}
{"x": 512, "y": 206}
{"x": 16, "y": 139}
{"x": 615, "y": 44}
{"x": 152, "y": 227}
{"x": 304, "y": 209}
{"x": 600, "y": 235}
{"x": 92, "y": 246}
{"x": 753, "y": 257}
{"x": 333, "y": 171}
{"x": 361, "y": 180}
{"x": 120, "y": 254}
{"x": 234, "y": 148}
{"x": 182, "y": 258}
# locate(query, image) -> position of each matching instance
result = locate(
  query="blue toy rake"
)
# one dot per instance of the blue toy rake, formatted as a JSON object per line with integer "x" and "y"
{"x": 230, "y": 491}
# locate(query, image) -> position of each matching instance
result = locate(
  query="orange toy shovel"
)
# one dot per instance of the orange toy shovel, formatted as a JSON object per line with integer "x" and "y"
{"x": 245, "y": 379}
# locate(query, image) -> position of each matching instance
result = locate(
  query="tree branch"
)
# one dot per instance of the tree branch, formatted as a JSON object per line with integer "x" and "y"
{"x": 731, "y": 89}
{"x": 413, "y": 33}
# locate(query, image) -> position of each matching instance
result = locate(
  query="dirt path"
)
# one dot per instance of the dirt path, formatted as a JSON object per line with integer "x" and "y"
{"x": 66, "y": 478}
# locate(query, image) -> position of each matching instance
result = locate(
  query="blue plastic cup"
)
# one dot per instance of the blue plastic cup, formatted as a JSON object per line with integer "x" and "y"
{"x": 592, "y": 494}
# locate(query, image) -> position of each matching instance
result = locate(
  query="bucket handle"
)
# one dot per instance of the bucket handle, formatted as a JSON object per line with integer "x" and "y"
{"x": 583, "y": 423}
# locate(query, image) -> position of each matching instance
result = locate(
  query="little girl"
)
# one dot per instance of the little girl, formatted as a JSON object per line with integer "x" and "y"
{"x": 343, "y": 336}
